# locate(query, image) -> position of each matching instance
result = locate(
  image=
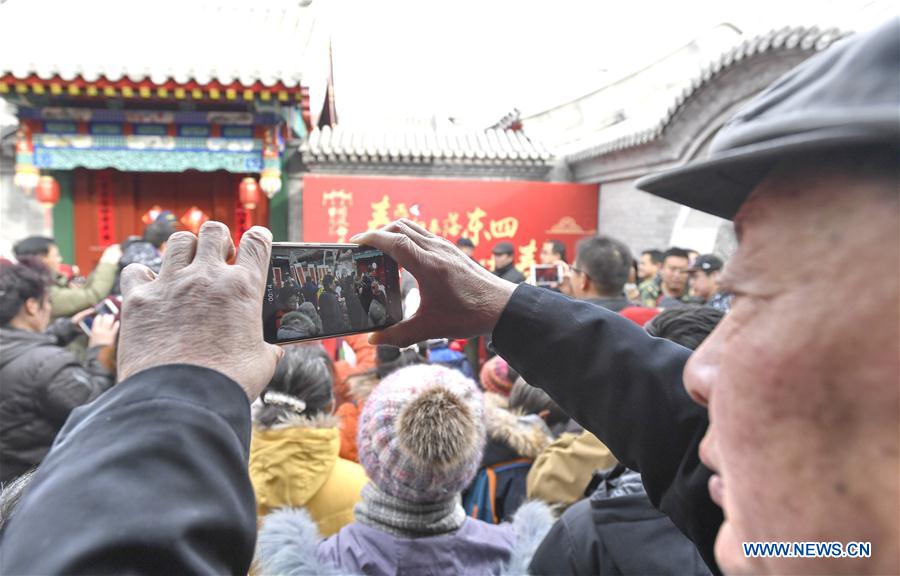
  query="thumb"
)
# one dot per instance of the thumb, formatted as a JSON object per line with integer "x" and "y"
{"x": 415, "y": 329}
{"x": 253, "y": 387}
{"x": 135, "y": 275}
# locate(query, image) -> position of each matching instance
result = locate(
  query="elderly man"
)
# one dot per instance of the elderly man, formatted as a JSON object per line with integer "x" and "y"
{"x": 800, "y": 378}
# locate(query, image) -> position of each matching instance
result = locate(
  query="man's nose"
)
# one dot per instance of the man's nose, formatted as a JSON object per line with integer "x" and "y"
{"x": 701, "y": 370}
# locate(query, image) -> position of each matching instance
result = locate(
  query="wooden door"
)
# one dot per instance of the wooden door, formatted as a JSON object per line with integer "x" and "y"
{"x": 110, "y": 205}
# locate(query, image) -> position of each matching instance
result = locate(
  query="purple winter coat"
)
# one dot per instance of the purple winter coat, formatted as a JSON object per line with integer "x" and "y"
{"x": 289, "y": 544}
{"x": 477, "y": 548}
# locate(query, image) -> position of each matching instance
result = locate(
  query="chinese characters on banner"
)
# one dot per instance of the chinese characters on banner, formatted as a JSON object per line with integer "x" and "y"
{"x": 106, "y": 209}
{"x": 484, "y": 211}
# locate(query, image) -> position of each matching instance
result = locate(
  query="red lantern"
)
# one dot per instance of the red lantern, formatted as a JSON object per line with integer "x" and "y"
{"x": 152, "y": 214}
{"x": 249, "y": 193}
{"x": 193, "y": 219}
{"x": 47, "y": 191}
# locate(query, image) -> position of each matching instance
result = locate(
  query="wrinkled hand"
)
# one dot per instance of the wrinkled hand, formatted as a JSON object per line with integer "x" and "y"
{"x": 459, "y": 298}
{"x": 200, "y": 310}
{"x": 104, "y": 330}
{"x": 112, "y": 254}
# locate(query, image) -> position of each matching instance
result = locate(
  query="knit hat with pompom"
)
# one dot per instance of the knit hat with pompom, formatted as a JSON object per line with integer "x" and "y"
{"x": 422, "y": 434}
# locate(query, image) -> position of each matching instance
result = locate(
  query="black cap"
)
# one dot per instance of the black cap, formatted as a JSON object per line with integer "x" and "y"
{"x": 465, "y": 243}
{"x": 845, "y": 97}
{"x": 707, "y": 263}
{"x": 503, "y": 248}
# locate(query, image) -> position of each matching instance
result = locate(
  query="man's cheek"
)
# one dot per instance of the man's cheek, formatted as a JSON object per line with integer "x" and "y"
{"x": 729, "y": 552}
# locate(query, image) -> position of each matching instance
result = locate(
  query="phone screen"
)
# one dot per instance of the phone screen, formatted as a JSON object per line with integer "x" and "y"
{"x": 546, "y": 274}
{"x": 325, "y": 290}
{"x": 109, "y": 305}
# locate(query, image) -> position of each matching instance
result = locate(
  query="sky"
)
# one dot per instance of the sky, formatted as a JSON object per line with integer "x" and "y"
{"x": 475, "y": 60}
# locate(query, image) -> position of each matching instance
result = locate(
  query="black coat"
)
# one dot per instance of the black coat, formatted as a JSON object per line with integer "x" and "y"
{"x": 511, "y": 273}
{"x": 331, "y": 314}
{"x": 150, "y": 478}
{"x": 625, "y": 387}
{"x": 40, "y": 383}
{"x": 614, "y": 532}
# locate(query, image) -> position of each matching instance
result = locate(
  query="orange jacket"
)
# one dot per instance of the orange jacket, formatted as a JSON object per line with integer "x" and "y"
{"x": 365, "y": 360}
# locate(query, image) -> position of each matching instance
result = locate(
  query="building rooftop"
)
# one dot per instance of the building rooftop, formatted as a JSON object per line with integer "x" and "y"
{"x": 248, "y": 44}
{"x": 421, "y": 145}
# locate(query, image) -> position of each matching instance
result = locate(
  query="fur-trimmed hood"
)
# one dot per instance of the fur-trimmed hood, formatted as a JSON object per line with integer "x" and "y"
{"x": 288, "y": 543}
{"x": 290, "y": 461}
{"x": 526, "y": 435}
{"x": 361, "y": 386}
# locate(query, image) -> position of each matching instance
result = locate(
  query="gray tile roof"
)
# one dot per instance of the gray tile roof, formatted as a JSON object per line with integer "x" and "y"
{"x": 180, "y": 40}
{"x": 788, "y": 39}
{"x": 453, "y": 146}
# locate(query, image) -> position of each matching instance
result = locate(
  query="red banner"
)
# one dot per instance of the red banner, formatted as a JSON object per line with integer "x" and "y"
{"x": 485, "y": 211}
{"x": 106, "y": 209}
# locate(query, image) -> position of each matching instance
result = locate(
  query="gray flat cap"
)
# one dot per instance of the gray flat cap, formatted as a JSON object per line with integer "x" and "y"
{"x": 847, "y": 96}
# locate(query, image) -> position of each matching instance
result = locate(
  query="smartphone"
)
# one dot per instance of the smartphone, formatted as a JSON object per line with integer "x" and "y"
{"x": 324, "y": 290}
{"x": 109, "y": 305}
{"x": 546, "y": 275}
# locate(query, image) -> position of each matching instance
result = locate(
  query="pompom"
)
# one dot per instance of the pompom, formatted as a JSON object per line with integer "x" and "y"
{"x": 437, "y": 428}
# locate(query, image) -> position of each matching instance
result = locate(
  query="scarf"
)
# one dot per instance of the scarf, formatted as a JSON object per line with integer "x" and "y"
{"x": 408, "y": 519}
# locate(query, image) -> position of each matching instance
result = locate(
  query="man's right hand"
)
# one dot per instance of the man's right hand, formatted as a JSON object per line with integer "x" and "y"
{"x": 460, "y": 299}
{"x": 112, "y": 254}
{"x": 201, "y": 310}
{"x": 104, "y": 330}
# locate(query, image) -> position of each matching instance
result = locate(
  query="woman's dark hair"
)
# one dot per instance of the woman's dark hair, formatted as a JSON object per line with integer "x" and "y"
{"x": 531, "y": 400}
{"x": 19, "y": 282}
{"x": 685, "y": 325}
{"x": 303, "y": 375}
{"x": 157, "y": 233}
{"x": 390, "y": 358}
{"x": 33, "y": 246}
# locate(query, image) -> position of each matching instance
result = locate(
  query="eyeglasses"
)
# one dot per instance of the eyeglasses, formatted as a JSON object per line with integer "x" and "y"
{"x": 578, "y": 271}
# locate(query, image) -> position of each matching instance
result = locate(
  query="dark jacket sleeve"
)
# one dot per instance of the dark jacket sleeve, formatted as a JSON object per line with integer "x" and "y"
{"x": 64, "y": 331}
{"x": 568, "y": 549}
{"x": 69, "y": 384}
{"x": 152, "y": 477}
{"x": 624, "y": 386}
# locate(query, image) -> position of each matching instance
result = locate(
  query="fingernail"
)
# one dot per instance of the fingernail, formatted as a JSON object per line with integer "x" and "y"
{"x": 355, "y": 238}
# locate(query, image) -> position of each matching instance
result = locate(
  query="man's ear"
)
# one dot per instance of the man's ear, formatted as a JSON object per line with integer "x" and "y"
{"x": 32, "y": 306}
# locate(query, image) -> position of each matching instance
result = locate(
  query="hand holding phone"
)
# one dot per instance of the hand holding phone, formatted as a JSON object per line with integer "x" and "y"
{"x": 324, "y": 290}
{"x": 104, "y": 331}
{"x": 110, "y": 305}
{"x": 547, "y": 275}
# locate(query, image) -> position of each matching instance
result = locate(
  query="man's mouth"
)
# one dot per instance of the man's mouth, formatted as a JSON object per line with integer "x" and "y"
{"x": 716, "y": 489}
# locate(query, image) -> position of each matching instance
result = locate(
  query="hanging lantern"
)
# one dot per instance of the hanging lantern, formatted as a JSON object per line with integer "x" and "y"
{"x": 193, "y": 219}
{"x": 270, "y": 177}
{"x": 151, "y": 215}
{"x": 47, "y": 191}
{"x": 249, "y": 193}
{"x": 27, "y": 174}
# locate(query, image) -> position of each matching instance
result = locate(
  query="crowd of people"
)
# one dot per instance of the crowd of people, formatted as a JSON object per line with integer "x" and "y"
{"x": 644, "y": 416}
{"x": 338, "y": 303}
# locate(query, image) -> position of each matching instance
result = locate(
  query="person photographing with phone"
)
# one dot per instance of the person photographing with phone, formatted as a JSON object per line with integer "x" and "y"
{"x": 785, "y": 417}
{"x": 42, "y": 381}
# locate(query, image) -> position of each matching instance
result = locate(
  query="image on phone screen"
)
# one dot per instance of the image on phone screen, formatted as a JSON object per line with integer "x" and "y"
{"x": 325, "y": 290}
{"x": 546, "y": 274}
